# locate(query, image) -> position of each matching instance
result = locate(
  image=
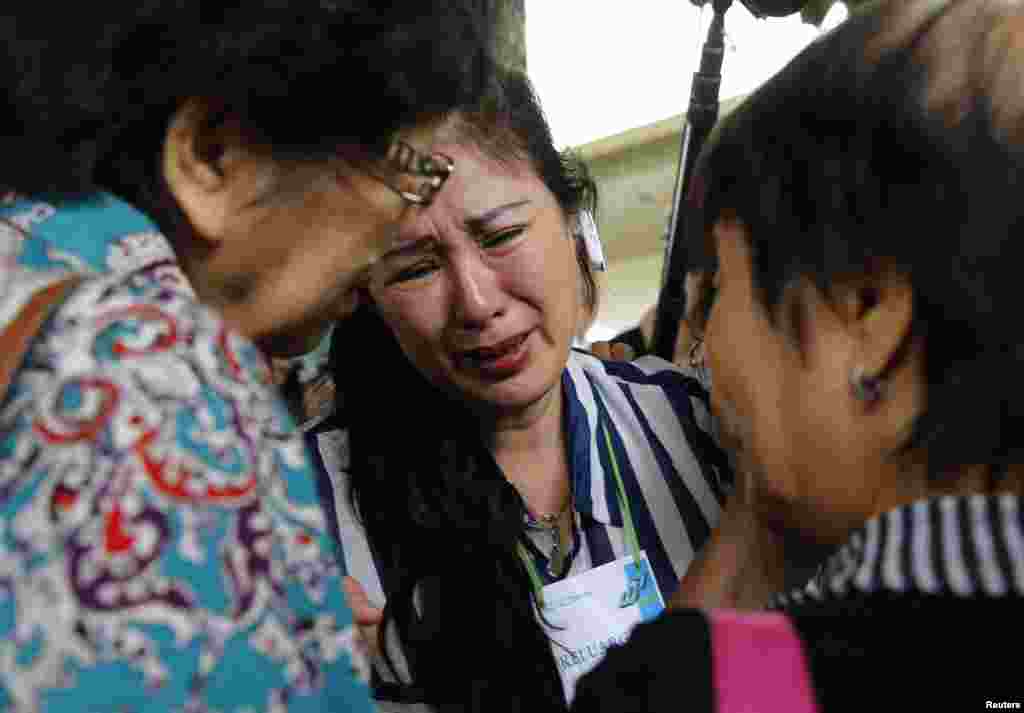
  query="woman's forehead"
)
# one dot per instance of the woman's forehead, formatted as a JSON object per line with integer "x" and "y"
{"x": 483, "y": 162}
{"x": 480, "y": 193}
{"x": 480, "y": 181}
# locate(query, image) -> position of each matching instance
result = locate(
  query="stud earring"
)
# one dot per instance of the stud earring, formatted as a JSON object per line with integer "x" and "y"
{"x": 865, "y": 387}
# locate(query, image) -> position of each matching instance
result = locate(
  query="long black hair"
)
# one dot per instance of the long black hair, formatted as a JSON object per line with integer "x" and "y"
{"x": 442, "y": 520}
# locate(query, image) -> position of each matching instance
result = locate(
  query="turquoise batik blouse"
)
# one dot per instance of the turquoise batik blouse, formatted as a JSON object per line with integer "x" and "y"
{"x": 162, "y": 542}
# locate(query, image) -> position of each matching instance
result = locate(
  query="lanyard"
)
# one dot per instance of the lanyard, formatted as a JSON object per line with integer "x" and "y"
{"x": 632, "y": 541}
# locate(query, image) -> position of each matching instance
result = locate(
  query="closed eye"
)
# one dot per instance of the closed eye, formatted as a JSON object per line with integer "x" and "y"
{"x": 417, "y": 271}
{"x": 501, "y": 237}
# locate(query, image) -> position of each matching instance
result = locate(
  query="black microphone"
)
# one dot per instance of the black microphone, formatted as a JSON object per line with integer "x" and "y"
{"x": 767, "y": 8}
{"x": 700, "y": 119}
{"x": 773, "y": 8}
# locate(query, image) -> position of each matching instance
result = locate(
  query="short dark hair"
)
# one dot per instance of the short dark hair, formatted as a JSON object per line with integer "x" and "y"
{"x": 887, "y": 144}
{"x": 86, "y": 95}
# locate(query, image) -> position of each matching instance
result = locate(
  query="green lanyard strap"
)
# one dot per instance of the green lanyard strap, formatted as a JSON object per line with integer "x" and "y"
{"x": 531, "y": 570}
{"x": 627, "y": 515}
{"x": 632, "y": 541}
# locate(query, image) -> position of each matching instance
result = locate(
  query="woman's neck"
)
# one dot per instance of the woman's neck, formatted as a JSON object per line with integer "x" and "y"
{"x": 529, "y": 445}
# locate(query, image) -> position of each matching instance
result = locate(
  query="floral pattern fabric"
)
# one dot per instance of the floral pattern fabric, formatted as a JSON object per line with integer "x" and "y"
{"x": 162, "y": 542}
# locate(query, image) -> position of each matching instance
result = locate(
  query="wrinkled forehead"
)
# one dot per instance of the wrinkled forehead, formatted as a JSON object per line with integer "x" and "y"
{"x": 486, "y": 154}
{"x": 478, "y": 183}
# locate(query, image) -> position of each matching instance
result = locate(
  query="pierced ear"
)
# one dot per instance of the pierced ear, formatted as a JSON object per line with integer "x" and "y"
{"x": 880, "y": 313}
{"x": 196, "y": 155}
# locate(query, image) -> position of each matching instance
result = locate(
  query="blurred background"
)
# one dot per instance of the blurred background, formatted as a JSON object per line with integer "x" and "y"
{"x": 614, "y": 79}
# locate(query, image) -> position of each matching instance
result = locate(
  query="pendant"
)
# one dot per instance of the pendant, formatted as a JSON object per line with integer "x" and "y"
{"x": 556, "y": 557}
{"x": 556, "y": 560}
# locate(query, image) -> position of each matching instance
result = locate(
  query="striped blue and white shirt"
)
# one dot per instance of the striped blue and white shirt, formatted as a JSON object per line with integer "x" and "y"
{"x": 657, "y": 417}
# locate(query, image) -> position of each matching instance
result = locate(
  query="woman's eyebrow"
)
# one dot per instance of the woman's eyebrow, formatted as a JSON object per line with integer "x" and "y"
{"x": 410, "y": 248}
{"x": 475, "y": 223}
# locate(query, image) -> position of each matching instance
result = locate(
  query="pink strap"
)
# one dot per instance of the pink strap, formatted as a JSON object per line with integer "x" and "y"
{"x": 758, "y": 664}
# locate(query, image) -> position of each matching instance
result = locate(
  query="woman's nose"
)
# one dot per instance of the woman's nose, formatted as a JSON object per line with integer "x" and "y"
{"x": 478, "y": 296}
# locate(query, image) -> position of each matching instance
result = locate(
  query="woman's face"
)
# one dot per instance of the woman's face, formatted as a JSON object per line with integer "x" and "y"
{"x": 280, "y": 245}
{"x": 304, "y": 254}
{"x": 484, "y": 292}
{"x": 782, "y": 396}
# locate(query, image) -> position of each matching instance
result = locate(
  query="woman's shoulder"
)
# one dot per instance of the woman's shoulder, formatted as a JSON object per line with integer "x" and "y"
{"x": 930, "y": 651}
{"x": 678, "y": 385}
{"x": 843, "y": 655}
{"x": 647, "y": 369}
{"x": 150, "y": 471}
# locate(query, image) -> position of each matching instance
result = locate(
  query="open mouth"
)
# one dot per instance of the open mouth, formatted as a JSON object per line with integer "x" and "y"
{"x": 504, "y": 354}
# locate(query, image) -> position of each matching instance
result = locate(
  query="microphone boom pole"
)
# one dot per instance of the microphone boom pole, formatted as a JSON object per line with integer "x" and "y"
{"x": 700, "y": 120}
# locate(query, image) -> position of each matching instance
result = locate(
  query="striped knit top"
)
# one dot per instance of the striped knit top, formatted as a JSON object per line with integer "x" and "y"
{"x": 969, "y": 546}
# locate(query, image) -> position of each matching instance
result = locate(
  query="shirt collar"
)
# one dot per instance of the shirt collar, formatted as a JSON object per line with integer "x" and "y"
{"x": 962, "y": 546}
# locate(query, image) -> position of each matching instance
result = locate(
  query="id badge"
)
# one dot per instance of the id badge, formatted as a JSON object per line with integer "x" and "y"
{"x": 587, "y": 614}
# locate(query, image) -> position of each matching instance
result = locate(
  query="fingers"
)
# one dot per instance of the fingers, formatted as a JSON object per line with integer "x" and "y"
{"x": 367, "y": 617}
{"x": 621, "y": 352}
{"x": 617, "y": 351}
{"x": 363, "y": 611}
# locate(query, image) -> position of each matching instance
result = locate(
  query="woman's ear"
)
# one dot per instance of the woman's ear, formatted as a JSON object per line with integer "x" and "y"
{"x": 192, "y": 171}
{"x": 879, "y": 312}
{"x": 211, "y": 169}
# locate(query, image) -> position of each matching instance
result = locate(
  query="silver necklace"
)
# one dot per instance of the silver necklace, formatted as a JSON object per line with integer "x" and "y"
{"x": 549, "y": 523}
